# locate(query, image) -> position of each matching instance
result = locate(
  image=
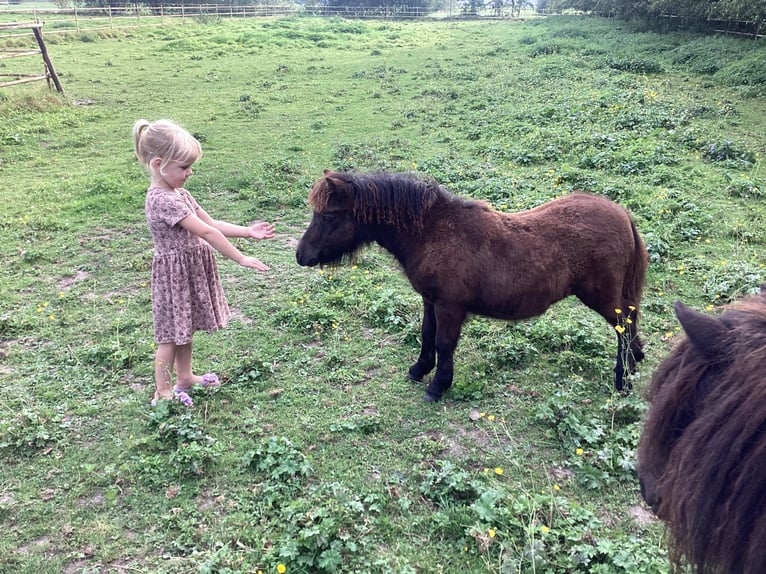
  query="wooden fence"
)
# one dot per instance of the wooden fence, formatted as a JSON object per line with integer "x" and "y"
{"x": 62, "y": 20}
{"x": 80, "y": 19}
{"x": 8, "y": 78}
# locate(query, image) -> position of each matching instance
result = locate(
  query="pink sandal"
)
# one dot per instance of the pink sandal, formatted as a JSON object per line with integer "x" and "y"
{"x": 178, "y": 395}
{"x": 210, "y": 380}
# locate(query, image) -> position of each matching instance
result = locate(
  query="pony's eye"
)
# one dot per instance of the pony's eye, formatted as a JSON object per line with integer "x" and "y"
{"x": 331, "y": 217}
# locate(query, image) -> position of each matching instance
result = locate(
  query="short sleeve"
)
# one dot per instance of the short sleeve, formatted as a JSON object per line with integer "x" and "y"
{"x": 189, "y": 200}
{"x": 166, "y": 208}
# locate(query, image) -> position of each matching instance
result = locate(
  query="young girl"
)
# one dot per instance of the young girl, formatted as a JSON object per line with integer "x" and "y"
{"x": 186, "y": 290}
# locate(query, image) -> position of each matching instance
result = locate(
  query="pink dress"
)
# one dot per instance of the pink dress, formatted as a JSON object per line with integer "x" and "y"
{"x": 186, "y": 290}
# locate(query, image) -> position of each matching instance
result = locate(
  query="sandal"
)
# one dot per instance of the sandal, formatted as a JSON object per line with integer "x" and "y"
{"x": 178, "y": 395}
{"x": 209, "y": 381}
{"x": 182, "y": 397}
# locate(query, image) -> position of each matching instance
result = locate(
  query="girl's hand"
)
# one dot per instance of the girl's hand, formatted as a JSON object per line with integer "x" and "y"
{"x": 261, "y": 230}
{"x": 253, "y": 263}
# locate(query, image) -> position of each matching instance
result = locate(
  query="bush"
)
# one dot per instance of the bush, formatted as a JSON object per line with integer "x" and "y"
{"x": 749, "y": 71}
{"x": 727, "y": 150}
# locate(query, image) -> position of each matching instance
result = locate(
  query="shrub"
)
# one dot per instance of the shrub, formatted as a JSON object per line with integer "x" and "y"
{"x": 745, "y": 188}
{"x": 749, "y": 70}
{"x": 727, "y": 151}
{"x": 731, "y": 280}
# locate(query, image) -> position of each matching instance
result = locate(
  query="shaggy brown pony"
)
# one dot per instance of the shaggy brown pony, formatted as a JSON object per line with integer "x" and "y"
{"x": 702, "y": 454}
{"x": 464, "y": 257}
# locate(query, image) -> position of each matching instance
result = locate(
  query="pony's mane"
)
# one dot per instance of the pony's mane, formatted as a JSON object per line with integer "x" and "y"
{"x": 397, "y": 199}
{"x": 713, "y": 419}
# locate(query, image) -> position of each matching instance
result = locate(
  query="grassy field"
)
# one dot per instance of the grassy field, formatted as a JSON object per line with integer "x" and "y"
{"x": 317, "y": 454}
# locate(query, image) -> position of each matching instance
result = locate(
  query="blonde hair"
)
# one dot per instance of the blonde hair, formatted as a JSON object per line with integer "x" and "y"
{"x": 166, "y": 140}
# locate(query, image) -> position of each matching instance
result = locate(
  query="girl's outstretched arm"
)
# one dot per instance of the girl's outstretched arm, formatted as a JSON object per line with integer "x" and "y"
{"x": 218, "y": 241}
{"x": 258, "y": 230}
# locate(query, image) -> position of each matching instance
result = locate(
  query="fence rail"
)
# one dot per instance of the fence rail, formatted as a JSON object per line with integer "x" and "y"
{"x": 62, "y": 20}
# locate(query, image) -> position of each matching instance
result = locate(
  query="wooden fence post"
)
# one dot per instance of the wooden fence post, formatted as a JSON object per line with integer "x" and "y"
{"x": 46, "y": 59}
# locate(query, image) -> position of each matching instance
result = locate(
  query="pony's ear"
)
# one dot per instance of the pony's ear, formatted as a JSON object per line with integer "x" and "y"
{"x": 705, "y": 333}
{"x": 335, "y": 181}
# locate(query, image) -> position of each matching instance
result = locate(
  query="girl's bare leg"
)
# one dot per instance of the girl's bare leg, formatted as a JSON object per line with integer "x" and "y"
{"x": 163, "y": 370}
{"x": 185, "y": 379}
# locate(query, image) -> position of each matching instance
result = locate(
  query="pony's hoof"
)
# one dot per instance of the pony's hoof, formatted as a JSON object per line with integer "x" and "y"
{"x": 414, "y": 377}
{"x": 429, "y": 398}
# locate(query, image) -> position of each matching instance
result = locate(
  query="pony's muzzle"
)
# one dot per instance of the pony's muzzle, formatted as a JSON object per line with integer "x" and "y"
{"x": 305, "y": 261}
{"x": 649, "y": 494}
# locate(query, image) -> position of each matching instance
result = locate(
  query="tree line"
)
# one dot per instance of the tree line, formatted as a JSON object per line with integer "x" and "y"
{"x": 689, "y": 12}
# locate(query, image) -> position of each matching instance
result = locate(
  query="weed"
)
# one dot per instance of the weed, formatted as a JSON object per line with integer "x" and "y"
{"x": 31, "y": 429}
{"x": 727, "y": 151}
{"x": 636, "y": 66}
{"x": 447, "y": 483}
{"x": 731, "y": 280}
{"x": 179, "y": 436}
{"x": 278, "y": 459}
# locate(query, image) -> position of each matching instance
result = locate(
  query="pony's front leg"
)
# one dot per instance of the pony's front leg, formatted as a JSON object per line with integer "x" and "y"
{"x": 427, "y": 358}
{"x": 449, "y": 321}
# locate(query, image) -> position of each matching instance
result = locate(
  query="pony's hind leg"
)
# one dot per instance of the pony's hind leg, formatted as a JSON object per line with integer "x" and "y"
{"x": 623, "y": 317}
{"x": 427, "y": 358}
{"x": 629, "y": 346}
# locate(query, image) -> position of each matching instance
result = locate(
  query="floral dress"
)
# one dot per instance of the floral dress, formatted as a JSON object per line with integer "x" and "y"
{"x": 187, "y": 295}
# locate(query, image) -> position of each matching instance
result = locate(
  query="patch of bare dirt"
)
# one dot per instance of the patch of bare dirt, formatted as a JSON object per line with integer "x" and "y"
{"x": 66, "y": 283}
{"x": 642, "y": 515}
{"x": 96, "y": 499}
{"x": 561, "y": 474}
{"x": 44, "y": 544}
{"x": 238, "y": 315}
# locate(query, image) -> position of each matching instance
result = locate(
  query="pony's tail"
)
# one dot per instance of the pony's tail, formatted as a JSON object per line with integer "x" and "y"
{"x": 635, "y": 277}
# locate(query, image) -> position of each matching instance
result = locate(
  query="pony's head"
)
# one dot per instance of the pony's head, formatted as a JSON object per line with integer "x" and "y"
{"x": 347, "y": 206}
{"x": 334, "y": 230}
{"x": 703, "y": 447}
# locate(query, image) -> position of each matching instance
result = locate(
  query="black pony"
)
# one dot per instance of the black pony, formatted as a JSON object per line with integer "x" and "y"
{"x": 464, "y": 257}
{"x": 702, "y": 454}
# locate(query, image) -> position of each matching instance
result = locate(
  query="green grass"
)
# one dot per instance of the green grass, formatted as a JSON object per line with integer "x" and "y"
{"x": 317, "y": 453}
